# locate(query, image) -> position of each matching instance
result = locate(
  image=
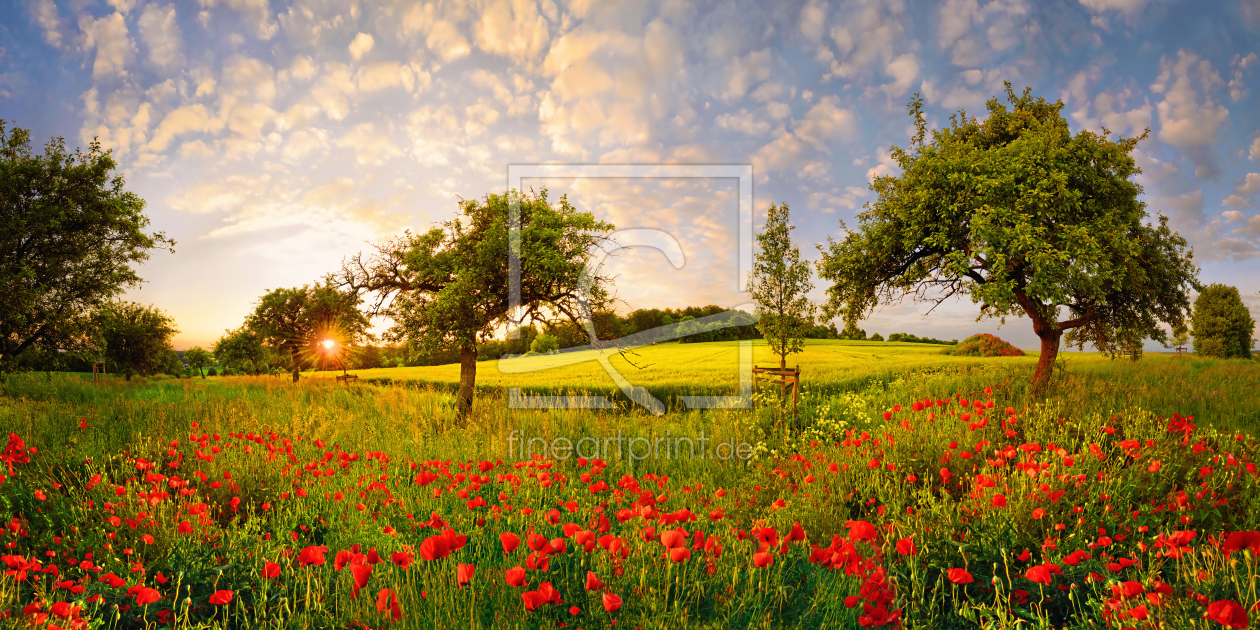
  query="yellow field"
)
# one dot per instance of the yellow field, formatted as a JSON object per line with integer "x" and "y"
{"x": 697, "y": 366}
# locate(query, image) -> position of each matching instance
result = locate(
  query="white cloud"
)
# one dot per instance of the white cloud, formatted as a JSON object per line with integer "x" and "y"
{"x": 743, "y": 72}
{"x": 904, "y": 70}
{"x": 830, "y": 202}
{"x": 361, "y": 45}
{"x": 162, "y": 36}
{"x": 44, "y": 12}
{"x": 972, "y": 33}
{"x": 1250, "y": 186}
{"x": 1110, "y": 107}
{"x": 1255, "y": 149}
{"x": 384, "y": 74}
{"x": 1130, "y": 8}
{"x": 370, "y": 145}
{"x": 122, "y": 6}
{"x": 826, "y": 121}
{"x": 742, "y": 121}
{"x": 866, "y": 33}
{"x": 114, "y": 48}
{"x": 513, "y": 29}
{"x": 813, "y": 20}
{"x": 259, "y": 11}
{"x": 885, "y": 165}
{"x": 186, "y": 119}
{"x": 1184, "y": 120}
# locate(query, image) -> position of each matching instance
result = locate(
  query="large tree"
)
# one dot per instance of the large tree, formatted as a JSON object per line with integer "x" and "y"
{"x": 69, "y": 234}
{"x": 1025, "y": 218}
{"x": 779, "y": 283}
{"x": 296, "y": 320}
{"x": 135, "y": 339}
{"x": 449, "y": 288}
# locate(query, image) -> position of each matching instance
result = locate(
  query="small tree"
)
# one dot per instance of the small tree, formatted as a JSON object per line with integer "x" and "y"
{"x": 1222, "y": 325}
{"x": 296, "y": 320}
{"x": 242, "y": 348}
{"x": 450, "y": 286}
{"x": 543, "y": 344}
{"x": 851, "y": 331}
{"x": 135, "y": 338}
{"x": 198, "y": 357}
{"x": 779, "y": 283}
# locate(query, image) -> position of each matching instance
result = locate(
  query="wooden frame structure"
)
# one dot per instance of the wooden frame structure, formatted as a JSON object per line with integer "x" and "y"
{"x": 1181, "y": 351}
{"x": 784, "y": 377}
{"x": 98, "y": 371}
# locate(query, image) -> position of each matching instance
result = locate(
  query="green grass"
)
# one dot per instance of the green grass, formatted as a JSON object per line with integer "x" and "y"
{"x": 396, "y": 428}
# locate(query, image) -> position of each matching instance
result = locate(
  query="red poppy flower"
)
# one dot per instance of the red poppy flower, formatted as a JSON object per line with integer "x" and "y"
{"x": 593, "y": 583}
{"x": 515, "y": 576}
{"x": 762, "y": 559}
{"x": 906, "y": 547}
{"x": 434, "y": 548}
{"x": 959, "y": 576}
{"x": 145, "y": 595}
{"x": 999, "y": 500}
{"x": 679, "y": 554}
{"x": 510, "y": 541}
{"x": 221, "y": 598}
{"x": 312, "y": 555}
{"x": 464, "y": 573}
{"x": 402, "y": 559}
{"x": 1039, "y": 574}
{"x": 533, "y": 599}
{"x": 271, "y": 570}
{"x": 1242, "y": 540}
{"x": 1228, "y": 613}
{"x": 674, "y": 538}
{"x": 611, "y": 602}
{"x": 387, "y": 599}
{"x": 361, "y": 573}
{"x": 861, "y": 530}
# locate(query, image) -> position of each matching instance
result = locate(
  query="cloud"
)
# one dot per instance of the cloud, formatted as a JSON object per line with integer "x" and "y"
{"x": 813, "y": 20}
{"x": 1237, "y": 89}
{"x": 1249, "y": 188}
{"x": 1110, "y": 107}
{"x": 1130, "y": 8}
{"x": 1255, "y": 149}
{"x": 972, "y": 34}
{"x": 904, "y": 70}
{"x": 386, "y": 74}
{"x": 303, "y": 143}
{"x": 830, "y": 202}
{"x": 186, "y": 119}
{"x": 162, "y": 37}
{"x": 258, "y": 11}
{"x": 361, "y": 45}
{"x": 743, "y": 72}
{"x": 1189, "y": 116}
{"x": 45, "y": 14}
{"x": 824, "y": 123}
{"x": 114, "y": 48}
{"x": 742, "y": 121}
{"x": 513, "y": 29}
{"x": 370, "y": 145}
{"x": 866, "y": 34}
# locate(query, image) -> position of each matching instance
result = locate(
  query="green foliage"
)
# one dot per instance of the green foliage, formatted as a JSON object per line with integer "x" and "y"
{"x": 543, "y": 344}
{"x": 779, "y": 284}
{"x": 135, "y": 339}
{"x": 197, "y": 357}
{"x": 1222, "y": 325}
{"x": 851, "y": 331}
{"x": 243, "y": 349}
{"x": 211, "y": 372}
{"x": 297, "y": 321}
{"x": 877, "y": 337}
{"x": 69, "y": 234}
{"x": 909, "y": 338}
{"x": 1026, "y": 219}
{"x": 984, "y": 345}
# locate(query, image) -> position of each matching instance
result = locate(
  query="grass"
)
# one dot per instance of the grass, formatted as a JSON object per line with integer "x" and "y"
{"x": 378, "y": 460}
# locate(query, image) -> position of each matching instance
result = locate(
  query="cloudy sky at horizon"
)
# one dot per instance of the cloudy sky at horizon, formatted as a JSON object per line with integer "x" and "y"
{"x": 271, "y": 139}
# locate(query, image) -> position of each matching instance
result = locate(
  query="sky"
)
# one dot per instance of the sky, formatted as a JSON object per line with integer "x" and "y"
{"x": 273, "y": 139}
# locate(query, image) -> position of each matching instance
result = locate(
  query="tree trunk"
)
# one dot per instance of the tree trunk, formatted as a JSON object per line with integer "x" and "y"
{"x": 201, "y": 369}
{"x": 297, "y": 370}
{"x": 1049, "y": 352}
{"x": 467, "y": 378}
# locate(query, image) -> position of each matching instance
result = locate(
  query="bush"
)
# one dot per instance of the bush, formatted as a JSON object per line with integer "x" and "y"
{"x": 543, "y": 344}
{"x": 909, "y": 338}
{"x": 877, "y": 337}
{"x": 1221, "y": 324}
{"x": 212, "y": 372}
{"x": 984, "y": 345}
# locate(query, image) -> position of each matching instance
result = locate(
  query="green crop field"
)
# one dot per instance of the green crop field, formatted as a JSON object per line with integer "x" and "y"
{"x": 939, "y": 489}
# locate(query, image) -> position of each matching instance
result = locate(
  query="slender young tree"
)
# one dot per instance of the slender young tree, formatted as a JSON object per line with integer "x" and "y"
{"x": 779, "y": 284}
{"x": 198, "y": 357}
{"x": 448, "y": 289}
{"x": 1026, "y": 219}
{"x": 296, "y": 320}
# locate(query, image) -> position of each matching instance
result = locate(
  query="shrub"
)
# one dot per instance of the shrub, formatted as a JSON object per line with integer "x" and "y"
{"x": 1221, "y": 324}
{"x": 984, "y": 345}
{"x": 877, "y": 337}
{"x": 543, "y": 344}
{"x": 212, "y": 372}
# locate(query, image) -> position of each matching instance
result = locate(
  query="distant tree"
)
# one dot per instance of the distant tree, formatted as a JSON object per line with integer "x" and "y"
{"x": 134, "y": 338}
{"x": 69, "y": 234}
{"x": 450, "y": 285}
{"x": 197, "y": 357}
{"x": 779, "y": 283}
{"x": 877, "y": 337}
{"x": 296, "y": 320}
{"x": 1222, "y": 325}
{"x": 851, "y": 331}
{"x": 1024, "y": 217}
{"x": 543, "y": 344}
{"x": 241, "y": 348}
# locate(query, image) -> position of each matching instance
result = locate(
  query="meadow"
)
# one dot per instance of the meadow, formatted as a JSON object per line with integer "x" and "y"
{"x": 908, "y": 490}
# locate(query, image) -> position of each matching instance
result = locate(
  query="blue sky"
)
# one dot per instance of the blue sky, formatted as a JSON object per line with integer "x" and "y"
{"x": 272, "y": 139}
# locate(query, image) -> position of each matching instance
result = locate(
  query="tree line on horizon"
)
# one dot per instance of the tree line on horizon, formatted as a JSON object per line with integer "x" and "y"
{"x": 1015, "y": 212}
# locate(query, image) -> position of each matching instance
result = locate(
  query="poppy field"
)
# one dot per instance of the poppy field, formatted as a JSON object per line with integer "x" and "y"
{"x": 945, "y": 499}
